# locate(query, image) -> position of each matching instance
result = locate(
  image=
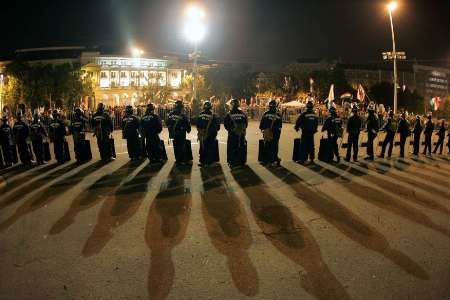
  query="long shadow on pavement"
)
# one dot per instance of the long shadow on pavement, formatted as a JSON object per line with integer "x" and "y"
{"x": 391, "y": 185}
{"x": 14, "y": 182}
{"x": 228, "y": 229}
{"x": 93, "y": 195}
{"x": 166, "y": 227}
{"x": 35, "y": 185}
{"x": 347, "y": 222}
{"x": 48, "y": 195}
{"x": 384, "y": 201}
{"x": 290, "y": 236}
{"x": 119, "y": 208}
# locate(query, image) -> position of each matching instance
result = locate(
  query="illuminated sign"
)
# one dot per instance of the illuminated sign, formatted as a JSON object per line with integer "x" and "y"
{"x": 125, "y": 62}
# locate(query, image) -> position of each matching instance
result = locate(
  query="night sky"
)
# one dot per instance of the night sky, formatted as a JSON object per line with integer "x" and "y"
{"x": 254, "y": 31}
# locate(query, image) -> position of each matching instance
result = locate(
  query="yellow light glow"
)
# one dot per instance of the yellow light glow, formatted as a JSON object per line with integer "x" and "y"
{"x": 392, "y": 6}
{"x": 137, "y": 51}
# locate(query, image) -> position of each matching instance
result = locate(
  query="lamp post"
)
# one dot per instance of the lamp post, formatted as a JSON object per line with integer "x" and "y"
{"x": 137, "y": 53}
{"x": 1, "y": 92}
{"x": 195, "y": 31}
{"x": 391, "y": 7}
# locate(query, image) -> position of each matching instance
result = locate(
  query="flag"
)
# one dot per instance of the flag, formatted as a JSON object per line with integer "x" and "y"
{"x": 331, "y": 93}
{"x": 435, "y": 103}
{"x": 361, "y": 93}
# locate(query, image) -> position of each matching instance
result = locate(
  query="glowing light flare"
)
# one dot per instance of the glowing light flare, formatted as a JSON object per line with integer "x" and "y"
{"x": 392, "y": 6}
{"x": 137, "y": 52}
{"x": 194, "y": 27}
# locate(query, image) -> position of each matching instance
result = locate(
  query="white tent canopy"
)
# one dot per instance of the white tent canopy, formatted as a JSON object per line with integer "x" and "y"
{"x": 292, "y": 104}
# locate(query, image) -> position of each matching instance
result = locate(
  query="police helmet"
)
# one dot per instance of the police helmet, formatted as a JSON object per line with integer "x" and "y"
{"x": 100, "y": 107}
{"x": 129, "y": 109}
{"x": 310, "y": 105}
{"x": 150, "y": 107}
{"x": 234, "y": 102}
{"x": 332, "y": 110}
{"x": 355, "y": 108}
{"x": 272, "y": 104}
{"x": 371, "y": 107}
{"x": 207, "y": 105}
{"x": 429, "y": 117}
{"x": 179, "y": 104}
{"x": 391, "y": 113}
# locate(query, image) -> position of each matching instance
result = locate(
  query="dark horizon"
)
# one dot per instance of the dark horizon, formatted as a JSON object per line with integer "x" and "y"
{"x": 251, "y": 32}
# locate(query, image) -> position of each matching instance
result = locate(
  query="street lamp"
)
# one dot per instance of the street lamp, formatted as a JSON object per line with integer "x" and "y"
{"x": 391, "y": 7}
{"x": 1, "y": 92}
{"x": 195, "y": 31}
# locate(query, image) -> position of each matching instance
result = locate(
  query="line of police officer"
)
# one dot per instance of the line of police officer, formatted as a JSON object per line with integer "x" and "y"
{"x": 142, "y": 135}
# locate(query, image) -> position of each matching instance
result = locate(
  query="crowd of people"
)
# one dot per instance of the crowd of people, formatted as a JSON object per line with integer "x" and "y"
{"x": 142, "y": 126}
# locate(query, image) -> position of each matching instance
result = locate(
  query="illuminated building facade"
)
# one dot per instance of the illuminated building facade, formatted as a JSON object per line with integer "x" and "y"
{"x": 116, "y": 80}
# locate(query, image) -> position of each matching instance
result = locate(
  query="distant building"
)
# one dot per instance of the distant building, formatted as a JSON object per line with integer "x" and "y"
{"x": 116, "y": 80}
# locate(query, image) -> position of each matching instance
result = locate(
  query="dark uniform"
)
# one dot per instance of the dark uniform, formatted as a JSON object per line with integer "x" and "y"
{"x": 354, "y": 124}
{"x": 448, "y": 141}
{"x": 440, "y": 143}
{"x": 6, "y": 142}
{"x": 179, "y": 125}
{"x": 21, "y": 133}
{"x": 236, "y": 123}
{"x": 390, "y": 127}
{"x": 38, "y": 133}
{"x": 271, "y": 124}
{"x": 308, "y": 123}
{"x": 103, "y": 127}
{"x": 57, "y": 132}
{"x": 77, "y": 128}
{"x": 333, "y": 127}
{"x": 404, "y": 131}
{"x": 208, "y": 125}
{"x": 372, "y": 127}
{"x": 130, "y": 132}
{"x": 417, "y": 131}
{"x": 428, "y": 132}
{"x": 151, "y": 127}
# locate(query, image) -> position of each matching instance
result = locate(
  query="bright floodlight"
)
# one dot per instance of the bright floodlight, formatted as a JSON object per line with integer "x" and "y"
{"x": 392, "y": 6}
{"x": 194, "y": 28}
{"x": 137, "y": 52}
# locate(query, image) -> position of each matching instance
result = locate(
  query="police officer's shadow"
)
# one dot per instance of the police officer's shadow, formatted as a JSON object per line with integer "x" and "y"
{"x": 289, "y": 235}
{"x": 343, "y": 219}
{"x": 228, "y": 228}
{"x": 50, "y": 193}
{"x": 166, "y": 227}
{"x": 100, "y": 190}
{"x": 13, "y": 182}
{"x": 120, "y": 208}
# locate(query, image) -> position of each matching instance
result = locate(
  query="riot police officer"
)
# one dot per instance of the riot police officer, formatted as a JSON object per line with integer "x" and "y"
{"x": 440, "y": 142}
{"x": 333, "y": 127}
{"x": 57, "y": 132}
{"x": 38, "y": 133}
{"x": 131, "y": 132}
{"x": 179, "y": 125}
{"x": 270, "y": 125}
{"x": 21, "y": 133}
{"x": 390, "y": 127}
{"x": 6, "y": 141}
{"x": 354, "y": 124}
{"x": 308, "y": 123}
{"x": 403, "y": 130}
{"x": 417, "y": 131}
{"x": 236, "y": 123}
{"x": 103, "y": 127}
{"x": 428, "y": 132}
{"x": 208, "y": 125}
{"x": 151, "y": 127}
{"x": 77, "y": 128}
{"x": 372, "y": 127}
